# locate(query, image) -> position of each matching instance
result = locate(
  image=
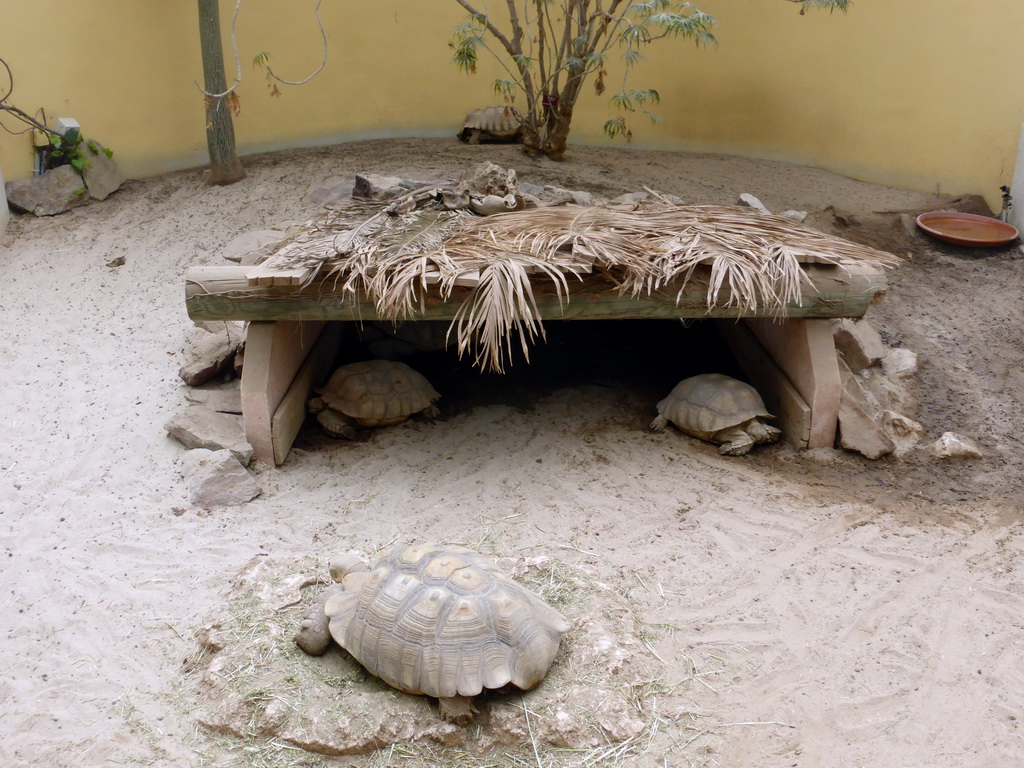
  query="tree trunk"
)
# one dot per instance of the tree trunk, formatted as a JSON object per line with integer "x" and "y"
{"x": 225, "y": 167}
{"x": 556, "y": 136}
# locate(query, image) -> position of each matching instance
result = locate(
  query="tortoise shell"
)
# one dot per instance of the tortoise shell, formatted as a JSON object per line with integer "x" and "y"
{"x": 499, "y": 122}
{"x": 444, "y": 621}
{"x": 378, "y": 393}
{"x": 706, "y": 404}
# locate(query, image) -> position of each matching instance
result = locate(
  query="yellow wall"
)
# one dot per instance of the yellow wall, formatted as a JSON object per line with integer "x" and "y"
{"x": 918, "y": 93}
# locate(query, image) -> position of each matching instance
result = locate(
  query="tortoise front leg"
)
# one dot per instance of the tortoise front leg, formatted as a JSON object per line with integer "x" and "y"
{"x": 314, "y": 634}
{"x": 457, "y": 709}
{"x": 735, "y": 441}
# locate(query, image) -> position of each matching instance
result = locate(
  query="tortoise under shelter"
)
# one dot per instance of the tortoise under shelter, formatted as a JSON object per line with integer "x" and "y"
{"x": 772, "y": 284}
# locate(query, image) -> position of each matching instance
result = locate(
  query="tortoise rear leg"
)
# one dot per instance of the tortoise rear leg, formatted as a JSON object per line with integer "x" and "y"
{"x": 335, "y": 425}
{"x": 457, "y": 709}
{"x": 659, "y": 424}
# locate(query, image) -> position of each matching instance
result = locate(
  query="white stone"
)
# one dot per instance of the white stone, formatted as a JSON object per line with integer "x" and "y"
{"x": 798, "y": 216}
{"x": 217, "y": 479}
{"x": 899, "y": 363}
{"x": 953, "y": 446}
{"x": 750, "y": 201}
{"x": 630, "y": 198}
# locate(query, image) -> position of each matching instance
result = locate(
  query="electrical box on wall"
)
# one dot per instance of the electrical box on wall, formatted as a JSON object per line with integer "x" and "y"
{"x": 68, "y": 127}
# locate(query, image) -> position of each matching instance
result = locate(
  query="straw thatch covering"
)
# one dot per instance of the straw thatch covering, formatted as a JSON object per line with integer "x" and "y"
{"x": 752, "y": 261}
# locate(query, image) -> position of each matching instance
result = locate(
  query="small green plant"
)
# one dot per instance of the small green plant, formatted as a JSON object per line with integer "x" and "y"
{"x": 75, "y": 152}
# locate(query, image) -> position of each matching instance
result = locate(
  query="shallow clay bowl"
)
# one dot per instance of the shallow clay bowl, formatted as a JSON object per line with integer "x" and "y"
{"x": 967, "y": 228}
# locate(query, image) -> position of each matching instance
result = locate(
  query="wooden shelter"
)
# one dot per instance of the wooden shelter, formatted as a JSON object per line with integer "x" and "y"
{"x": 782, "y": 339}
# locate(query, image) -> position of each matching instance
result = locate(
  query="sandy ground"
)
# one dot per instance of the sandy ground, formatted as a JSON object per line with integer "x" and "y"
{"x": 810, "y": 610}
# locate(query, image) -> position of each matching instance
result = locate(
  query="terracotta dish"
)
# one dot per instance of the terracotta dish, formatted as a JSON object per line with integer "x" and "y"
{"x": 967, "y": 228}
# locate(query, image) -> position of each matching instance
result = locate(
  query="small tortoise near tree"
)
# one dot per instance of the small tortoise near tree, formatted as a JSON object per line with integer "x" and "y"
{"x": 719, "y": 409}
{"x": 436, "y": 620}
{"x": 373, "y": 393}
{"x": 501, "y": 122}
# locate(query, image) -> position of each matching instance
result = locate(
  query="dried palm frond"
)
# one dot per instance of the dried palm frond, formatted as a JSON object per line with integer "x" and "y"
{"x": 501, "y": 303}
{"x": 750, "y": 260}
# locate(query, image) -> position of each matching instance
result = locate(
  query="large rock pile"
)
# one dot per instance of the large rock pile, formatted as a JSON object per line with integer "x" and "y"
{"x": 63, "y": 188}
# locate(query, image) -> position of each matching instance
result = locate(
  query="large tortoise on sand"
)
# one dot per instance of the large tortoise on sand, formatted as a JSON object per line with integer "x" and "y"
{"x": 436, "y": 620}
{"x": 373, "y": 393}
{"x": 719, "y": 409}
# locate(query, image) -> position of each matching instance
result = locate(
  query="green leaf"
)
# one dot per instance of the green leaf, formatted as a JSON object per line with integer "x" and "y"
{"x": 622, "y": 101}
{"x": 615, "y": 128}
{"x": 504, "y": 88}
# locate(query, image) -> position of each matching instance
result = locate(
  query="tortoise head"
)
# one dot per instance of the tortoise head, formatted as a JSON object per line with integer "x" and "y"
{"x": 346, "y": 563}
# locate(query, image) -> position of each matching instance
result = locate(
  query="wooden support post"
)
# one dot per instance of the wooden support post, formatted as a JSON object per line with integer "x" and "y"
{"x": 792, "y": 414}
{"x": 291, "y": 413}
{"x": 805, "y": 352}
{"x": 274, "y": 352}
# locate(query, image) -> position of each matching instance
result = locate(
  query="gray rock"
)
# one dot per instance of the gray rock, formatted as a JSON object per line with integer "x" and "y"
{"x": 883, "y": 391}
{"x": 750, "y": 201}
{"x": 899, "y": 363}
{"x": 556, "y": 195}
{"x": 332, "y": 191}
{"x": 953, "y": 446}
{"x": 798, "y": 216}
{"x": 858, "y": 429}
{"x": 372, "y": 187}
{"x": 630, "y": 198}
{"x": 531, "y": 189}
{"x": 579, "y": 197}
{"x": 101, "y": 174}
{"x": 56, "y": 191}
{"x": 249, "y": 247}
{"x": 217, "y": 479}
{"x": 210, "y": 351}
{"x": 858, "y": 342}
{"x": 904, "y": 432}
{"x": 223, "y": 399}
{"x": 201, "y": 427}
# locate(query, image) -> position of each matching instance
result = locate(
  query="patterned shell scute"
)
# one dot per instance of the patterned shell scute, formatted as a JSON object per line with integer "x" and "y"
{"x": 444, "y": 620}
{"x": 500, "y": 121}
{"x": 378, "y": 393}
{"x": 706, "y": 404}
